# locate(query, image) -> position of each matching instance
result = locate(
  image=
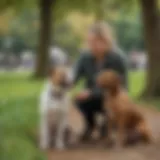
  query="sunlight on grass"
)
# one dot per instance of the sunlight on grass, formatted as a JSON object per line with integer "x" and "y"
{"x": 136, "y": 83}
{"x": 19, "y": 117}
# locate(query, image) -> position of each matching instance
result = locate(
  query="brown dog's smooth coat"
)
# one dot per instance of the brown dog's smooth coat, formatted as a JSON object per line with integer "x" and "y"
{"x": 123, "y": 112}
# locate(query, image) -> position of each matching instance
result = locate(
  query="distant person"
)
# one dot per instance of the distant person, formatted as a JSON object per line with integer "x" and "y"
{"x": 102, "y": 54}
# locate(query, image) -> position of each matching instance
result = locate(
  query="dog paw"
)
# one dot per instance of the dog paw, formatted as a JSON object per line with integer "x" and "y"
{"x": 60, "y": 146}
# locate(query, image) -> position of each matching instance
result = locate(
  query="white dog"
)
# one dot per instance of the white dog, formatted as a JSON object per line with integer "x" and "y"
{"x": 54, "y": 106}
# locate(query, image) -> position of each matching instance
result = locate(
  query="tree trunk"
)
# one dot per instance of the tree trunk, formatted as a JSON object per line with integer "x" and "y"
{"x": 151, "y": 22}
{"x": 44, "y": 37}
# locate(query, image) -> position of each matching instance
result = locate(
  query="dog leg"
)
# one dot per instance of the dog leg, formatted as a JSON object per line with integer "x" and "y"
{"x": 61, "y": 131}
{"x": 108, "y": 138}
{"x": 109, "y": 123}
{"x": 144, "y": 132}
{"x": 59, "y": 140}
{"x": 44, "y": 134}
{"x": 121, "y": 133}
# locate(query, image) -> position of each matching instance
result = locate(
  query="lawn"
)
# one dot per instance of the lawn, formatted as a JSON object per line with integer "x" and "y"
{"x": 19, "y": 96}
{"x": 18, "y": 117}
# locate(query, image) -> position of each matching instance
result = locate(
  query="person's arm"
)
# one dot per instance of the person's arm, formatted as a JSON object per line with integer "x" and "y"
{"x": 79, "y": 69}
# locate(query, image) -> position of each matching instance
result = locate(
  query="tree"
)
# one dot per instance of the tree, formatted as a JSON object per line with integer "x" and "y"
{"x": 44, "y": 36}
{"x": 45, "y": 7}
{"x": 151, "y": 23}
{"x": 50, "y": 11}
{"x": 57, "y": 8}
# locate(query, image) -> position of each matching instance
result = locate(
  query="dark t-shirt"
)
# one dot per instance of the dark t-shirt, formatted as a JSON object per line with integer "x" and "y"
{"x": 86, "y": 67}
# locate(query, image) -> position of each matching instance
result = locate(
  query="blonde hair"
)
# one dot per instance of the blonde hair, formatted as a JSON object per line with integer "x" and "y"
{"x": 103, "y": 31}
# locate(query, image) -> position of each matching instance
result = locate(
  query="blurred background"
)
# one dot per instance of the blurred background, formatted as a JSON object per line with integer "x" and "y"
{"x": 33, "y": 32}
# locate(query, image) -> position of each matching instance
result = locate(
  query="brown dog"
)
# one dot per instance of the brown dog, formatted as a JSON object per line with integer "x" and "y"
{"x": 131, "y": 125}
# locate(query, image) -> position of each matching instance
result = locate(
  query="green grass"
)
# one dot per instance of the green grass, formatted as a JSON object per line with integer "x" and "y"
{"x": 19, "y": 117}
{"x": 19, "y": 96}
{"x": 136, "y": 83}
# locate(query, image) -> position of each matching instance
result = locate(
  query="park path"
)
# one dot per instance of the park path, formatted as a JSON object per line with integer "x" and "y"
{"x": 141, "y": 152}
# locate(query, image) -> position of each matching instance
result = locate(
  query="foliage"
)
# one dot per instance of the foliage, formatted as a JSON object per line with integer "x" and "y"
{"x": 69, "y": 34}
{"x": 17, "y": 4}
{"x": 19, "y": 34}
{"x": 129, "y": 32}
{"x": 23, "y": 37}
{"x": 66, "y": 38}
{"x": 124, "y": 17}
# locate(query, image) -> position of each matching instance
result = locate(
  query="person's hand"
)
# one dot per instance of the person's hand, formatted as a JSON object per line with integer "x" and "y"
{"x": 83, "y": 95}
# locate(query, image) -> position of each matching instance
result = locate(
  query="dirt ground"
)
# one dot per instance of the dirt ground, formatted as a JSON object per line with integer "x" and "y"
{"x": 97, "y": 152}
